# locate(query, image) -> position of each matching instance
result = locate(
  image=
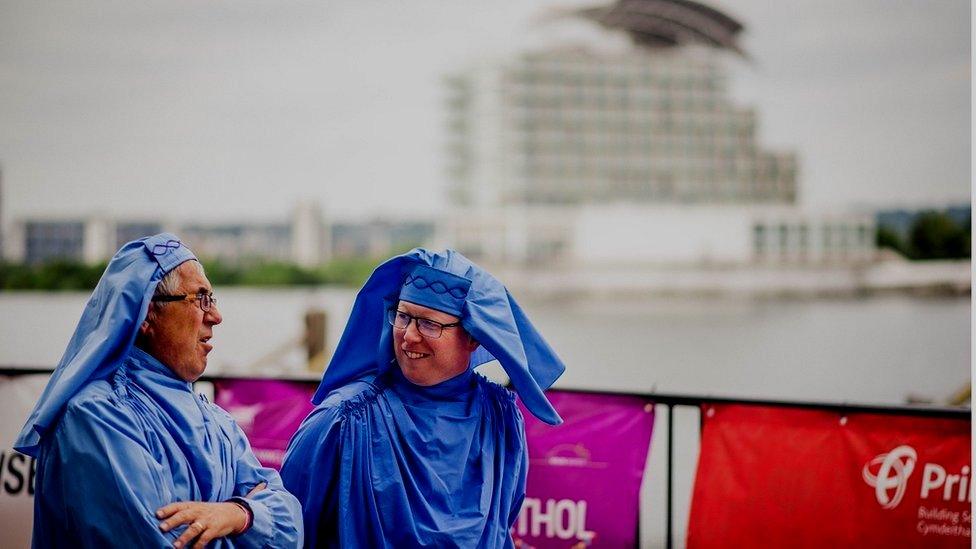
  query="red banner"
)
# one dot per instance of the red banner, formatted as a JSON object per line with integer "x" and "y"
{"x": 585, "y": 475}
{"x": 781, "y": 477}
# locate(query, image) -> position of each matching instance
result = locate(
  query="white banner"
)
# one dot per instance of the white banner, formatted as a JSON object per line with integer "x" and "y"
{"x": 17, "y": 397}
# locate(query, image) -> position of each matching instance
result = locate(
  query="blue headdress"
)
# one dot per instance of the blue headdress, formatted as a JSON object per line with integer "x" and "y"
{"x": 450, "y": 283}
{"x": 107, "y": 328}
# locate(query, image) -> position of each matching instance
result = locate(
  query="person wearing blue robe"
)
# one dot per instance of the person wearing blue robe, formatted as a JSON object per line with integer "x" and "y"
{"x": 408, "y": 446}
{"x": 127, "y": 454}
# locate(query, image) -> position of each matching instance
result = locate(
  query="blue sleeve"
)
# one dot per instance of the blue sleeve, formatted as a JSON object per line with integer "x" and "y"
{"x": 104, "y": 484}
{"x": 311, "y": 472}
{"x": 277, "y": 514}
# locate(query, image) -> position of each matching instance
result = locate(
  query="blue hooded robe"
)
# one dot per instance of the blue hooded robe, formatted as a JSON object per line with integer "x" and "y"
{"x": 381, "y": 462}
{"x": 118, "y": 435}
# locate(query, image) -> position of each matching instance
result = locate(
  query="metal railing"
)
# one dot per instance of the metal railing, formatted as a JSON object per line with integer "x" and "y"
{"x": 671, "y": 401}
{"x": 698, "y": 401}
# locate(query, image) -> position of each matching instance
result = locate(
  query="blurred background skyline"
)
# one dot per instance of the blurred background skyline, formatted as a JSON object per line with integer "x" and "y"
{"x": 582, "y": 151}
{"x": 229, "y": 110}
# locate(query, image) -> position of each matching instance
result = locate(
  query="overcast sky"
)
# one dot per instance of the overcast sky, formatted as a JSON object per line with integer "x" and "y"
{"x": 239, "y": 109}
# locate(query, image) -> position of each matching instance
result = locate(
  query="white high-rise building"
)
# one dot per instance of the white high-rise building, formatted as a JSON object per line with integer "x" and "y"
{"x": 573, "y": 126}
{"x": 98, "y": 242}
{"x": 310, "y": 236}
{"x": 561, "y": 154}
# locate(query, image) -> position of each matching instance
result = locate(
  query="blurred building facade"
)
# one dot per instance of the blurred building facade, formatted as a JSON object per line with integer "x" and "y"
{"x": 306, "y": 238}
{"x": 87, "y": 240}
{"x": 632, "y": 153}
{"x": 581, "y": 127}
{"x": 239, "y": 242}
{"x": 660, "y": 234}
{"x": 377, "y": 238}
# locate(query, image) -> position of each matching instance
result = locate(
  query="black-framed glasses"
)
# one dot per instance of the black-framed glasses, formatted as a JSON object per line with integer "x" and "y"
{"x": 427, "y": 327}
{"x": 205, "y": 300}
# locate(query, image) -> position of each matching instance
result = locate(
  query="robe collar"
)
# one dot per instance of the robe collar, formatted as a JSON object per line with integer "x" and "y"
{"x": 143, "y": 365}
{"x": 459, "y": 388}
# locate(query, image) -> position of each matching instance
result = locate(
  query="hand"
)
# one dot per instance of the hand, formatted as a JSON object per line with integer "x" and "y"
{"x": 207, "y": 521}
{"x": 256, "y": 489}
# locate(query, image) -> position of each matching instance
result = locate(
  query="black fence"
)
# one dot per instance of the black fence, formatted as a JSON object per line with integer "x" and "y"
{"x": 675, "y": 400}
{"x": 698, "y": 401}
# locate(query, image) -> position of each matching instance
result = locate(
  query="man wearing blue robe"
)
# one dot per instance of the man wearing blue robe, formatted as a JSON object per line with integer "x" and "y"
{"x": 127, "y": 454}
{"x": 408, "y": 446}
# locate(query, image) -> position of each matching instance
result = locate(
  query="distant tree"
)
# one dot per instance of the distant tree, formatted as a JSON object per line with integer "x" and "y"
{"x": 67, "y": 275}
{"x": 221, "y": 273}
{"x": 15, "y": 276}
{"x": 959, "y": 245}
{"x": 886, "y": 237}
{"x": 277, "y": 274}
{"x": 935, "y": 235}
{"x": 56, "y": 275}
{"x": 70, "y": 275}
{"x": 351, "y": 272}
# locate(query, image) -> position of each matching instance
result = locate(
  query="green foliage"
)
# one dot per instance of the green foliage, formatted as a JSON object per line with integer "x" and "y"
{"x": 348, "y": 272}
{"x": 14, "y": 276}
{"x": 63, "y": 275}
{"x": 58, "y": 275}
{"x": 933, "y": 235}
{"x": 277, "y": 274}
{"x": 222, "y": 274}
{"x": 886, "y": 237}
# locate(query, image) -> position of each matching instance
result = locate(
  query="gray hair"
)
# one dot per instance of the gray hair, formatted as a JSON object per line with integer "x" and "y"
{"x": 170, "y": 285}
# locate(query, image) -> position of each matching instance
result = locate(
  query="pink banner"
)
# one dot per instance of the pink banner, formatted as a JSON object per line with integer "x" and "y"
{"x": 585, "y": 475}
{"x": 268, "y": 411}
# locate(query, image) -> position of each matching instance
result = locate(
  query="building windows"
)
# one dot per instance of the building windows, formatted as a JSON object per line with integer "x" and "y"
{"x": 759, "y": 239}
{"x": 54, "y": 241}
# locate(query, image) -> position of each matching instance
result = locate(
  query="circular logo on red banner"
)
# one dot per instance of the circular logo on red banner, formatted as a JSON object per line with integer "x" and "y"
{"x": 894, "y": 468}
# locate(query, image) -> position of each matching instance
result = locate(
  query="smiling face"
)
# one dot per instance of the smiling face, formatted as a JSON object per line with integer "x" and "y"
{"x": 178, "y": 333}
{"x": 425, "y": 361}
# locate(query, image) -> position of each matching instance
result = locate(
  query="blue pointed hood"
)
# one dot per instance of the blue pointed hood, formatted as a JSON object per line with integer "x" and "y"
{"x": 449, "y": 282}
{"x": 107, "y": 328}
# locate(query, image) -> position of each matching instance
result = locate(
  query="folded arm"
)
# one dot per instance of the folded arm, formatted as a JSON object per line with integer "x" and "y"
{"x": 276, "y": 514}
{"x": 103, "y": 475}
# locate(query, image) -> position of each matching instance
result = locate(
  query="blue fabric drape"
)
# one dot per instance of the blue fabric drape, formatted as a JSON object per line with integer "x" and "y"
{"x": 107, "y": 328}
{"x": 117, "y": 435}
{"x": 385, "y": 463}
{"x": 139, "y": 440}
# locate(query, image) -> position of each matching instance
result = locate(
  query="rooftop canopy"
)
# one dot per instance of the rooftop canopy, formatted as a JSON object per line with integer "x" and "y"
{"x": 658, "y": 23}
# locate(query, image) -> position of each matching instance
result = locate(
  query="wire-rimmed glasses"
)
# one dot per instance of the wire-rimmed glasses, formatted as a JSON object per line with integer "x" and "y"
{"x": 205, "y": 300}
{"x": 427, "y": 327}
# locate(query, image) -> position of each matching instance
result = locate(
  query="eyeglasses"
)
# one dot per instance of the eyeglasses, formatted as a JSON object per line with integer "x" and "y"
{"x": 427, "y": 327}
{"x": 205, "y": 301}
